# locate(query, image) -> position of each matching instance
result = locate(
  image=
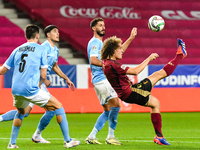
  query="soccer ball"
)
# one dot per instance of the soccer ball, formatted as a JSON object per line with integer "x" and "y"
{"x": 156, "y": 23}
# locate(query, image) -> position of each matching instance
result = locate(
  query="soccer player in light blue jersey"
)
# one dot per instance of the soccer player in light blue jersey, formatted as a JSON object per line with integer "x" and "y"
{"x": 105, "y": 93}
{"x": 30, "y": 68}
{"x": 52, "y": 34}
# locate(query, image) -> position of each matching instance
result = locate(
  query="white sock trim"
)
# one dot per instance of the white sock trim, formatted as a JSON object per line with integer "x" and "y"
{"x": 110, "y": 133}
{"x": 31, "y": 105}
{"x": 1, "y": 119}
{"x": 93, "y": 133}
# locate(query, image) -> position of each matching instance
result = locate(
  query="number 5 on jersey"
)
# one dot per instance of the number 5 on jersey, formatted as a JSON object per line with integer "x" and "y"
{"x": 22, "y": 63}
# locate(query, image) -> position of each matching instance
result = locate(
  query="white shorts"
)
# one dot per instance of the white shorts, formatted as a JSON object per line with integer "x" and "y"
{"x": 43, "y": 87}
{"x": 104, "y": 91}
{"x": 40, "y": 99}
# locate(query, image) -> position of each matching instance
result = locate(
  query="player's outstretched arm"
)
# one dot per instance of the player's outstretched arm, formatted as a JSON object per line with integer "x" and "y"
{"x": 129, "y": 40}
{"x": 139, "y": 68}
{"x": 3, "y": 70}
{"x": 59, "y": 72}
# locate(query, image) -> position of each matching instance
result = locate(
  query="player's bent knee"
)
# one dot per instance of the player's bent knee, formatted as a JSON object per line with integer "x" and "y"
{"x": 157, "y": 104}
{"x": 114, "y": 102}
{"x": 115, "y": 105}
{"x": 153, "y": 102}
{"x": 54, "y": 103}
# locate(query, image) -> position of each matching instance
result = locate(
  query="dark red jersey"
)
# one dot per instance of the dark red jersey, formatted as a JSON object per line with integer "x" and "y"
{"x": 116, "y": 74}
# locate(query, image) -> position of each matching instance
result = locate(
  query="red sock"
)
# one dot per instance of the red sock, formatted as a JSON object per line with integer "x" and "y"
{"x": 157, "y": 123}
{"x": 170, "y": 67}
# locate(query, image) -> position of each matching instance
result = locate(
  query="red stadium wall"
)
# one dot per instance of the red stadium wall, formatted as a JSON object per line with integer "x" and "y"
{"x": 85, "y": 100}
{"x": 73, "y": 19}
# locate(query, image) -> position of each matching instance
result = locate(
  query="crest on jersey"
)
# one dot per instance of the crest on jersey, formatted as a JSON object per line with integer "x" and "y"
{"x": 123, "y": 67}
{"x": 94, "y": 47}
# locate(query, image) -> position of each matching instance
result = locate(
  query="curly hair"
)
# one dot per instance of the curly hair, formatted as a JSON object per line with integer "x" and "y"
{"x": 109, "y": 47}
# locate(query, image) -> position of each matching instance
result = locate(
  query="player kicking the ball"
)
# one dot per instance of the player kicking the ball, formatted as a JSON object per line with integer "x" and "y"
{"x": 139, "y": 93}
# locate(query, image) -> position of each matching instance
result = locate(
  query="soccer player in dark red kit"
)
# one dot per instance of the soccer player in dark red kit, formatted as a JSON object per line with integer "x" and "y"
{"x": 139, "y": 93}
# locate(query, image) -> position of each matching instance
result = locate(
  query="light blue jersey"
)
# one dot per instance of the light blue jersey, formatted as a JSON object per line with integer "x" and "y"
{"x": 52, "y": 55}
{"x": 94, "y": 49}
{"x": 27, "y": 60}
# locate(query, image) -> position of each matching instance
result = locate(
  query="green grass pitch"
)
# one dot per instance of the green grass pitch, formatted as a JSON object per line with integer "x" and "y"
{"x": 134, "y": 130}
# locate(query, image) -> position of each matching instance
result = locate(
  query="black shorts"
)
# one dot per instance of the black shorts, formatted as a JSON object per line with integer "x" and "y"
{"x": 140, "y": 92}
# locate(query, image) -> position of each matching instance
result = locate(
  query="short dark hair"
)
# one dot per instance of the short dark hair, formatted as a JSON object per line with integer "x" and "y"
{"x": 109, "y": 47}
{"x": 95, "y": 21}
{"x": 48, "y": 29}
{"x": 31, "y": 31}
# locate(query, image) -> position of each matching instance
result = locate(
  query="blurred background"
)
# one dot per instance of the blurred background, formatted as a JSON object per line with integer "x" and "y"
{"x": 179, "y": 92}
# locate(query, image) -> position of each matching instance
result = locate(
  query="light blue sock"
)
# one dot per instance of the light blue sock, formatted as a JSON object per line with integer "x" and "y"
{"x": 63, "y": 124}
{"x": 26, "y": 115}
{"x": 9, "y": 115}
{"x": 102, "y": 120}
{"x": 46, "y": 118}
{"x": 15, "y": 130}
{"x": 113, "y": 117}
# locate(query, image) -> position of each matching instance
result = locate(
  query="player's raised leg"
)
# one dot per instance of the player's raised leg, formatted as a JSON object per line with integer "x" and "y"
{"x": 153, "y": 102}
{"x": 169, "y": 68}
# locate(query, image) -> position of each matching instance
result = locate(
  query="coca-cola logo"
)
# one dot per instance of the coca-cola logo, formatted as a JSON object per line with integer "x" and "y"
{"x": 110, "y": 12}
{"x": 180, "y": 15}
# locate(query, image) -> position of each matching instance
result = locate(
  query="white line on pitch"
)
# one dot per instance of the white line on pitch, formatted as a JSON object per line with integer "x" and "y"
{"x": 147, "y": 141}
